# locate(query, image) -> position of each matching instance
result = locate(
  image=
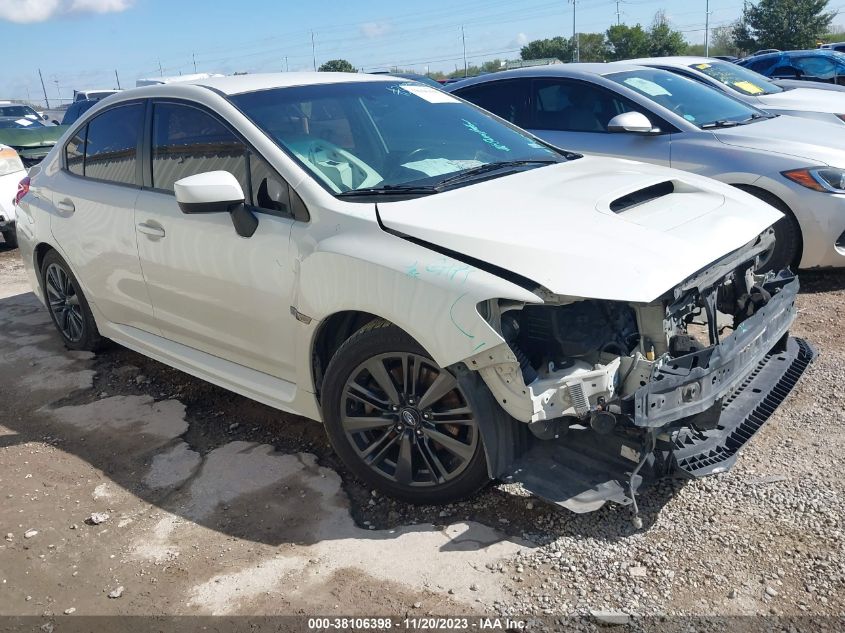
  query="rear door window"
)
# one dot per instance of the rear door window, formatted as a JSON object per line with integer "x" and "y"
{"x": 506, "y": 99}
{"x": 111, "y": 145}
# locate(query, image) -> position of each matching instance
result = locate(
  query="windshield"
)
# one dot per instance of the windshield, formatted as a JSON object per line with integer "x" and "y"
{"x": 698, "y": 104}
{"x": 18, "y": 111}
{"x": 371, "y": 135}
{"x": 737, "y": 78}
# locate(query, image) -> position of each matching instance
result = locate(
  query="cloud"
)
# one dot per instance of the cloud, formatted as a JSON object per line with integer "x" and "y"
{"x": 372, "y": 30}
{"x": 28, "y": 11}
{"x": 519, "y": 41}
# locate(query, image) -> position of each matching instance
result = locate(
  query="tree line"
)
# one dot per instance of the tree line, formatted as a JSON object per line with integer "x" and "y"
{"x": 782, "y": 24}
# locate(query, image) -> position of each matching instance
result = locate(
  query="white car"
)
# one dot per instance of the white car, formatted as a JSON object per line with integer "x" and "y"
{"x": 754, "y": 88}
{"x": 93, "y": 94}
{"x": 11, "y": 173}
{"x": 434, "y": 285}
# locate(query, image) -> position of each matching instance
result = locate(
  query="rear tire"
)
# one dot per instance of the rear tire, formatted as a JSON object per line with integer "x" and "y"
{"x": 11, "y": 237}
{"x": 400, "y": 423}
{"x": 69, "y": 310}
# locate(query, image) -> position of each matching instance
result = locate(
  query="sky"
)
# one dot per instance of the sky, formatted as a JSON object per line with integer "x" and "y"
{"x": 81, "y": 43}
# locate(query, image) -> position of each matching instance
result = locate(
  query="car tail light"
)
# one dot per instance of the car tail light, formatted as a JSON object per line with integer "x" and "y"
{"x": 23, "y": 189}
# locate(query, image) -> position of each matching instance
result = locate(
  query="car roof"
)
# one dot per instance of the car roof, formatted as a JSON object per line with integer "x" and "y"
{"x": 677, "y": 60}
{"x": 236, "y": 84}
{"x": 573, "y": 70}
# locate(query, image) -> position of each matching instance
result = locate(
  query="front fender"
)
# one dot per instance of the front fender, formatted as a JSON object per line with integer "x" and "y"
{"x": 430, "y": 296}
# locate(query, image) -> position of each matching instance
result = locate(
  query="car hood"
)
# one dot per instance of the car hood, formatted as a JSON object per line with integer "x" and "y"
{"x": 817, "y": 142}
{"x": 805, "y": 99}
{"x": 32, "y": 137}
{"x": 554, "y": 226}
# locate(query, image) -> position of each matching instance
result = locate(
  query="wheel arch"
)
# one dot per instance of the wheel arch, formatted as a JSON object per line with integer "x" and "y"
{"x": 332, "y": 332}
{"x": 38, "y": 255}
{"x": 778, "y": 203}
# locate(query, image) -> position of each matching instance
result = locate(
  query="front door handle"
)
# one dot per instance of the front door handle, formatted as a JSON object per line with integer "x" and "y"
{"x": 65, "y": 206}
{"x": 153, "y": 230}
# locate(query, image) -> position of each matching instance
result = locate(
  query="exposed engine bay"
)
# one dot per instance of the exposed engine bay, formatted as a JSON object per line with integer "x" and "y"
{"x": 584, "y": 361}
{"x": 674, "y": 384}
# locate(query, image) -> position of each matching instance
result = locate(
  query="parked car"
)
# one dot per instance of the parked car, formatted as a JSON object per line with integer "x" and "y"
{"x": 653, "y": 115}
{"x": 413, "y": 76}
{"x": 726, "y": 58}
{"x": 93, "y": 95}
{"x": 435, "y": 285}
{"x": 812, "y": 65}
{"x": 808, "y": 85}
{"x": 30, "y": 139}
{"x": 834, "y": 46}
{"x": 19, "y": 110}
{"x": 754, "y": 88}
{"x": 11, "y": 173}
{"x": 77, "y": 109}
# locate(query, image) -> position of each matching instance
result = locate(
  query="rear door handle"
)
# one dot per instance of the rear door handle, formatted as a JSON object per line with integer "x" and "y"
{"x": 65, "y": 206}
{"x": 153, "y": 230}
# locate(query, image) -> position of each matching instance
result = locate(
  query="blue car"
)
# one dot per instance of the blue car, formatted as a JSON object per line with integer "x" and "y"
{"x": 820, "y": 65}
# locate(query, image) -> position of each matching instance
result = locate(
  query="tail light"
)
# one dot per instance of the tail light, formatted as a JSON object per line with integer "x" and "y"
{"x": 23, "y": 189}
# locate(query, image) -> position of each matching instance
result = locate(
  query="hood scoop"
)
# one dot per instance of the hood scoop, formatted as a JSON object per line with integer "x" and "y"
{"x": 641, "y": 196}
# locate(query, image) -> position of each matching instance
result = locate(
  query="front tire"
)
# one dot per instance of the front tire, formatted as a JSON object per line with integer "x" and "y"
{"x": 401, "y": 423}
{"x": 11, "y": 237}
{"x": 69, "y": 310}
{"x": 786, "y": 252}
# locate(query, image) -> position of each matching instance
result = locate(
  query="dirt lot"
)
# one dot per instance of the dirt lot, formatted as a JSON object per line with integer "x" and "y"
{"x": 218, "y": 505}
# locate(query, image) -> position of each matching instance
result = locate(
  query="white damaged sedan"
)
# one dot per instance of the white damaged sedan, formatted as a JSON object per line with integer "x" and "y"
{"x": 455, "y": 300}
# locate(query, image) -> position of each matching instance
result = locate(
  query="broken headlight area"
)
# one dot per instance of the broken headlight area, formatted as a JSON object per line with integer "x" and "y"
{"x": 616, "y": 394}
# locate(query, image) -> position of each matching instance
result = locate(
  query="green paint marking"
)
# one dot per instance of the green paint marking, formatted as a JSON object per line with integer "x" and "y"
{"x": 452, "y": 317}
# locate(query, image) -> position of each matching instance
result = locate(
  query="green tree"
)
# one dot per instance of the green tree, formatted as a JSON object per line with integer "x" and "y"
{"x": 337, "y": 66}
{"x": 783, "y": 24}
{"x": 627, "y": 42}
{"x": 555, "y": 47}
{"x": 593, "y": 47}
{"x": 663, "y": 41}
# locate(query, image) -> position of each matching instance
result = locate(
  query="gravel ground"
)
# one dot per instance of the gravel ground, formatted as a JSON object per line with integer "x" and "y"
{"x": 766, "y": 538}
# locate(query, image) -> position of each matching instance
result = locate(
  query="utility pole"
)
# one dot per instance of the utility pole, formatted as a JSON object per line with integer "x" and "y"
{"x": 287, "y": 66}
{"x": 313, "y": 51}
{"x": 160, "y": 71}
{"x": 194, "y": 58}
{"x": 58, "y": 92}
{"x": 576, "y": 54}
{"x": 707, "y": 29}
{"x": 46, "y": 100}
{"x": 464, "y": 40}
{"x": 618, "y": 13}
{"x": 117, "y": 79}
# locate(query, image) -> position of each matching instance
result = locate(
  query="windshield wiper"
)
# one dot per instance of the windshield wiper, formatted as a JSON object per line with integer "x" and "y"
{"x": 388, "y": 190}
{"x": 468, "y": 174}
{"x": 719, "y": 123}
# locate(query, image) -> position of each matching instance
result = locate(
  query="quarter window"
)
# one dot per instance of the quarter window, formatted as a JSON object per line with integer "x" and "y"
{"x": 75, "y": 153}
{"x": 111, "y": 147}
{"x": 269, "y": 190}
{"x": 187, "y": 141}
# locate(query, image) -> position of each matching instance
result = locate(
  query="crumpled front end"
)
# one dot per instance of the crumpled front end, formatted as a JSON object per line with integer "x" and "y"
{"x": 617, "y": 393}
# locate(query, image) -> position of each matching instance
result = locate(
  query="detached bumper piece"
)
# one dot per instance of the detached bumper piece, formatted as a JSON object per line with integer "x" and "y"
{"x": 583, "y": 470}
{"x": 700, "y": 453}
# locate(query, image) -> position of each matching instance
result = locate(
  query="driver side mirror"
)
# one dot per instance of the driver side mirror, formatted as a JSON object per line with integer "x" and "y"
{"x": 216, "y": 192}
{"x": 635, "y": 122}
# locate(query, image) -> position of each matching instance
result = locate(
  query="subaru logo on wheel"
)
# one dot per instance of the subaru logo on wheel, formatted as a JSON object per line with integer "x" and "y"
{"x": 409, "y": 417}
